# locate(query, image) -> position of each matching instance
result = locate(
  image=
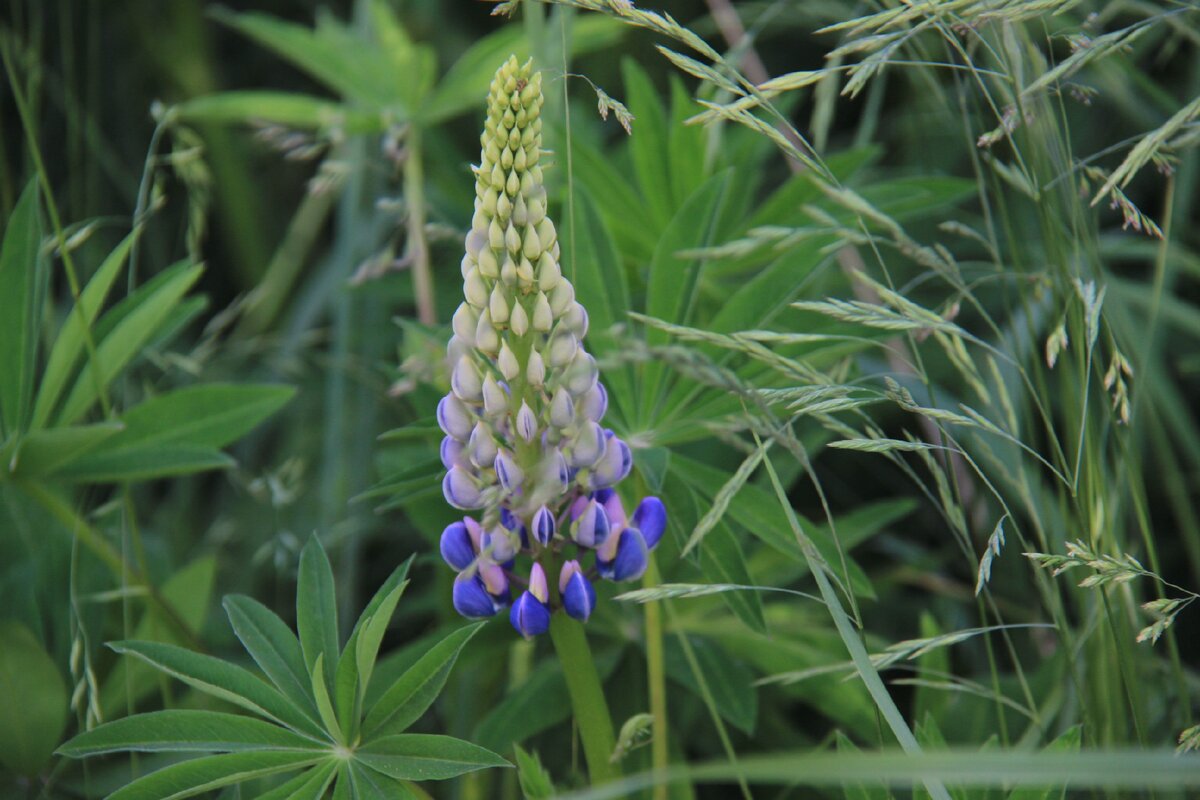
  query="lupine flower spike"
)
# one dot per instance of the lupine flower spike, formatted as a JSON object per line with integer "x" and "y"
{"x": 525, "y": 448}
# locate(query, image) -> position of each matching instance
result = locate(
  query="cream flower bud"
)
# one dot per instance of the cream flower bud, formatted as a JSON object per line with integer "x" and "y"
{"x": 481, "y": 447}
{"x": 561, "y": 349}
{"x": 561, "y": 297}
{"x": 525, "y": 271}
{"x": 466, "y": 265}
{"x": 489, "y": 267}
{"x": 495, "y": 399}
{"x": 503, "y": 206}
{"x": 466, "y": 380}
{"x": 519, "y": 321}
{"x": 475, "y": 290}
{"x": 508, "y": 273}
{"x": 535, "y": 369}
{"x": 486, "y": 338}
{"x": 588, "y": 446}
{"x": 507, "y": 361}
{"x": 582, "y": 374}
{"x": 562, "y": 409}
{"x": 543, "y": 317}
{"x": 512, "y": 240}
{"x": 498, "y": 305}
{"x": 520, "y": 212}
{"x": 548, "y": 272}
{"x": 532, "y": 243}
{"x": 464, "y": 323}
{"x": 511, "y": 476}
{"x": 547, "y": 233}
{"x": 576, "y": 319}
{"x": 495, "y": 235}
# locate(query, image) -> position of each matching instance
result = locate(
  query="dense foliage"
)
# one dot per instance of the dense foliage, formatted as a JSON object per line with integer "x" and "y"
{"x": 880, "y": 319}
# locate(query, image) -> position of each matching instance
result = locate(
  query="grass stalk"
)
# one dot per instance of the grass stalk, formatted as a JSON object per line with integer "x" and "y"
{"x": 587, "y": 697}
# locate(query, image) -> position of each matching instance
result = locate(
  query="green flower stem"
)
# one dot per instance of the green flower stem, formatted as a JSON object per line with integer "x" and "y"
{"x": 587, "y": 697}
{"x": 656, "y": 676}
{"x": 418, "y": 247}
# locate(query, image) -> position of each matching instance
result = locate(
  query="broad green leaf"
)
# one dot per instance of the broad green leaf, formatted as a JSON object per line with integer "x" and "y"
{"x": 413, "y": 66}
{"x": 671, "y": 286}
{"x": 649, "y": 145}
{"x": 144, "y": 463}
{"x": 199, "y": 775}
{"x": 125, "y": 341}
{"x": 426, "y": 757}
{"x": 273, "y": 646}
{"x": 316, "y": 606}
{"x": 343, "y": 787}
{"x": 408, "y": 698}
{"x": 299, "y": 111}
{"x": 33, "y": 701}
{"x": 22, "y": 274}
{"x": 730, "y": 682}
{"x": 372, "y": 785}
{"x": 208, "y": 415}
{"x": 221, "y": 680}
{"x": 618, "y": 201}
{"x": 69, "y": 344}
{"x": 187, "y": 731}
{"x": 42, "y": 452}
{"x": 722, "y": 561}
{"x": 310, "y": 785}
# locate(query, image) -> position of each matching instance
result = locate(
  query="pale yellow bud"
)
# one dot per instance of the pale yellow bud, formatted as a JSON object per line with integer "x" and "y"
{"x": 548, "y": 273}
{"x": 533, "y": 243}
{"x": 561, "y": 297}
{"x": 488, "y": 267}
{"x": 535, "y": 370}
{"x": 510, "y": 368}
{"x": 474, "y": 289}
{"x": 512, "y": 240}
{"x": 543, "y": 317}
{"x": 498, "y": 305}
{"x": 519, "y": 321}
{"x": 486, "y": 337}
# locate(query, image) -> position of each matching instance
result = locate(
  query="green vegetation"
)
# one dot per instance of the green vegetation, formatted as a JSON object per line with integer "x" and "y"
{"x": 895, "y": 305}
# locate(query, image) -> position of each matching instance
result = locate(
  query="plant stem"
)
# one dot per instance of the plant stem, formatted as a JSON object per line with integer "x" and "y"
{"x": 587, "y": 697}
{"x": 656, "y": 677}
{"x": 418, "y": 248}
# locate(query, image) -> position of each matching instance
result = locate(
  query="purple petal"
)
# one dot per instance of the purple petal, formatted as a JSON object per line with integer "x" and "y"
{"x": 651, "y": 519}
{"x": 471, "y": 598}
{"x": 579, "y": 597}
{"x": 529, "y": 616}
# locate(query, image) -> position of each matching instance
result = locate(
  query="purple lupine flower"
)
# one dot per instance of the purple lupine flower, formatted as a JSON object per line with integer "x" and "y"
{"x": 524, "y": 442}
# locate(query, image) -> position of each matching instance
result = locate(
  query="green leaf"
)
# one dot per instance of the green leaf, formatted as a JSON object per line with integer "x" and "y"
{"x": 730, "y": 682}
{"x": 42, "y": 452}
{"x": 722, "y": 561}
{"x": 316, "y": 606}
{"x": 22, "y": 274}
{"x": 300, "y": 111}
{"x": 320, "y": 691}
{"x": 125, "y": 340}
{"x": 310, "y": 785}
{"x": 331, "y": 53}
{"x": 188, "y": 591}
{"x": 1066, "y": 743}
{"x": 426, "y": 757}
{"x": 686, "y": 152}
{"x": 408, "y": 698}
{"x": 358, "y": 657}
{"x": 200, "y": 775}
{"x": 181, "y": 431}
{"x": 144, "y": 464}
{"x": 33, "y": 701}
{"x": 371, "y": 785}
{"x": 187, "y": 731}
{"x": 648, "y": 146}
{"x": 273, "y": 646}
{"x": 69, "y": 344}
{"x": 221, "y": 680}
{"x": 535, "y": 780}
{"x": 600, "y": 281}
{"x": 671, "y": 286}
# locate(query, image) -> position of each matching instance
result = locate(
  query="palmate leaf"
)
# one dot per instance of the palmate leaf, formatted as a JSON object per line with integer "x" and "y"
{"x": 304, "y": 721}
